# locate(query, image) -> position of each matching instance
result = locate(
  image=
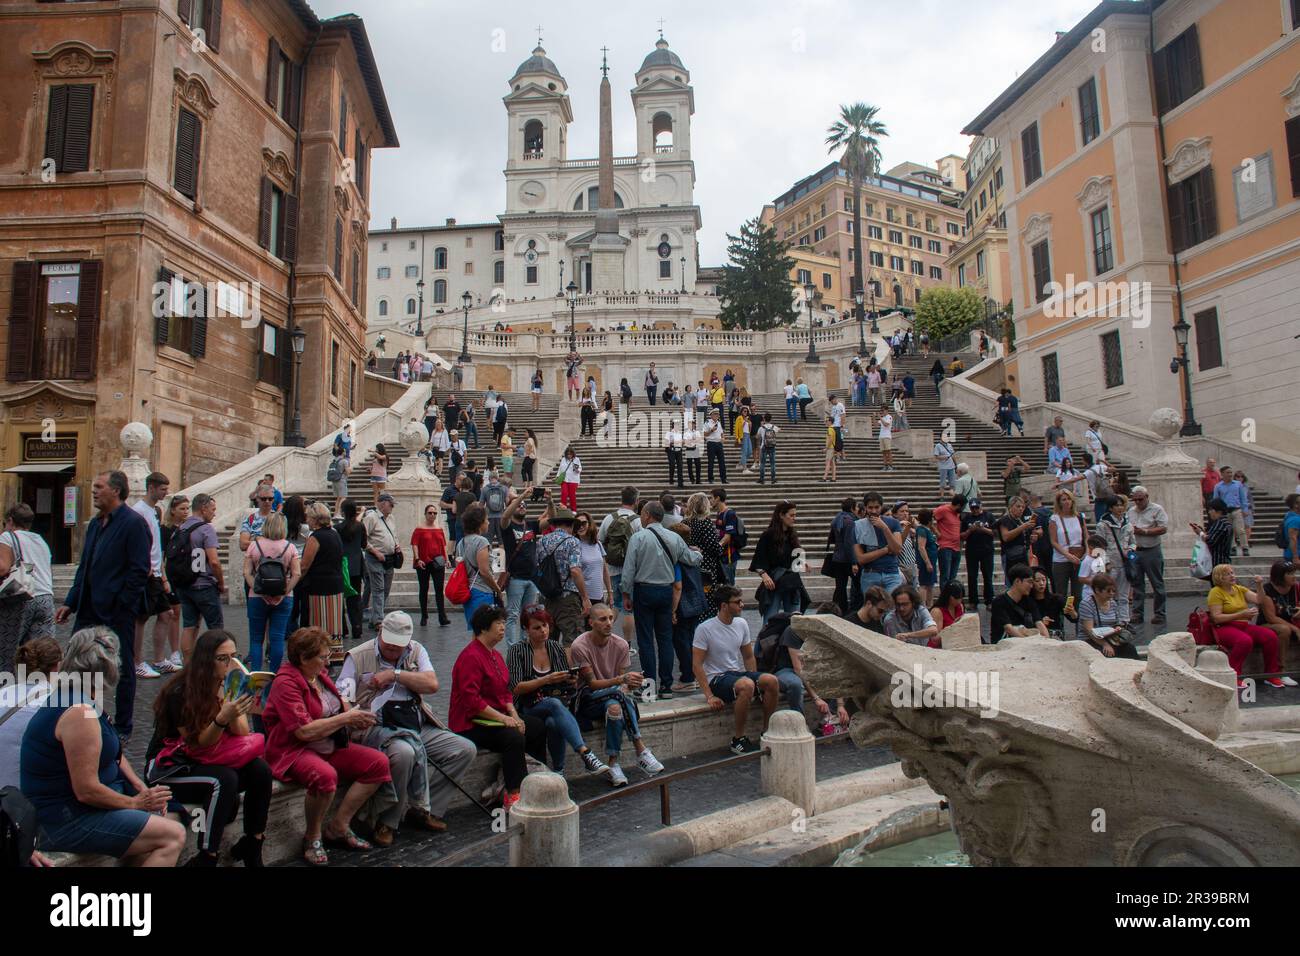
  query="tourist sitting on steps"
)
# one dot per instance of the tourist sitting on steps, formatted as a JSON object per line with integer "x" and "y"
{"x": 909, "y": 621}
{"x": 876, "y": 603}
{"x": 725, "y": 666}
{"x": 1233, "y": 612}
{"x": 1099, "y": 620}
{"x": 786, "y": 661}
{"x": 1279, "y": 602}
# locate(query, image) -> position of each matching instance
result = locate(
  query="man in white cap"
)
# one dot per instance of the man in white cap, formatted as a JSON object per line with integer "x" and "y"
{"x": 389, "y": 676}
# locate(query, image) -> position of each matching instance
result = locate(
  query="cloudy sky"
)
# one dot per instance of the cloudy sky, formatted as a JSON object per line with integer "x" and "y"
{"x": 768, "y": 77}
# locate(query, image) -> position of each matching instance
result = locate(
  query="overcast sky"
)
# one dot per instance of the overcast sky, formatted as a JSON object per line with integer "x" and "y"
{"x": 768, "y": 78}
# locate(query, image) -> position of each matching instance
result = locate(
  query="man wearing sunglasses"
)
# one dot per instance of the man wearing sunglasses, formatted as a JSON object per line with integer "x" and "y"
{"x": 251, "y": 527}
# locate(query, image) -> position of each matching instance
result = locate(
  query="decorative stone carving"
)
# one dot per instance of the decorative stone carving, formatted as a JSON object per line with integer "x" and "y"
{"x": 1095, "y": 192}
{"x": 72, "y": 58}
{"x": 1291, "y": 95}
{"x": 1037, "y": 228}
{"x": 1189, "y": 156}
{"x": 136, "y": 439}
{"x": 342, "y": 201}
{"x": 1026, "y": 738}
{"x": 413, "y": 436}
{"x": 193, "y": 91}
{"x": 278, "y": 167}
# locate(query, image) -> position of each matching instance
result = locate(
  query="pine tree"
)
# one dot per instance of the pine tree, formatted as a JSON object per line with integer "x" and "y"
{"x": 757, "y": 292}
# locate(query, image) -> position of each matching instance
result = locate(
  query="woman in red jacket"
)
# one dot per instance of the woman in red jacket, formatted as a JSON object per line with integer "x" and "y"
{"x": 482, "y": 708}
{"x": 307, "y": 723}
{"x": 430, "y": 547}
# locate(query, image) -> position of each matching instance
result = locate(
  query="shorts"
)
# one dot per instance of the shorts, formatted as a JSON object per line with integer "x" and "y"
{"x": 201, "y": 602}
{"x": 948, "y": 476}
{"x": 886, "y": 444}
{"x": 340, "y": 488}
{"x": 536, "y": 390}
{"x": 379, "y": 479}
{"x": 439, "y": 454}
{"x": 155, "y": 597}
{"x": 724, "y": 685}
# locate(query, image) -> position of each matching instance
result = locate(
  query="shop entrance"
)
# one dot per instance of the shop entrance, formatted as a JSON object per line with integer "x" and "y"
{"x": 43, "y": 489}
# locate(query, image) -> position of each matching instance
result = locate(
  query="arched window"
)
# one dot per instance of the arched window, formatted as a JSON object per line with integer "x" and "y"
{"x": 593, "y": 199}
{"x": 499, "y": 242}
{"x": 410, "y": 306}
{"x": 440, "y": 291}
{"x": 662, "y": 129}
{"x": 383, "y": 307}
{"x": 440, "y": 258}
{"x": 534, "y": 138}
{"x": 499, "y": 272}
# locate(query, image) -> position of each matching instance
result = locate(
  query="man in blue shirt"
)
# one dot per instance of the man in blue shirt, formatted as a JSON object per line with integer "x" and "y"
{"x": 1057, "y": 454}
{"x": 1233, "y": 494}
{"x": 1291, "y": 528}
{"x": 878, "y": 543}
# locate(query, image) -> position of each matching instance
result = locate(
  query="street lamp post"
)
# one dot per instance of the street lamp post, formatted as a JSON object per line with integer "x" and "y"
{"x": 1191, "y": 426}
{"x": 465, "y": 300}
{"x": 419, "y": 323}
{"x": 683, "y": 275}
{"x": 810, "y": 290}
{"x": 862, "y": 335}
{"x": 295, "y": 438}
{"x": 875, "y": 326}
{"x": 572, "y": 289}
{"x": 561, "y": 292}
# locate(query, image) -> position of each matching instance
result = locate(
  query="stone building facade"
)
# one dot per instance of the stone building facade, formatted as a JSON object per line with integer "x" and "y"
{"x": 183, "y": 183}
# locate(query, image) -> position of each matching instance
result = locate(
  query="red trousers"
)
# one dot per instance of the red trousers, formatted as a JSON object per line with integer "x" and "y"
{"x": 1239, "y": 638}
{"x": 320, "y": 773}
{"x": 569, "y": 496}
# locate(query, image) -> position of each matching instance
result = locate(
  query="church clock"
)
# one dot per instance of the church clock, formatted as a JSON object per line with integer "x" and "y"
{"x": 532, "y": 193}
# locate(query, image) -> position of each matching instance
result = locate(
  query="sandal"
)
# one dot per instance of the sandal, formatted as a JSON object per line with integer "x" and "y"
{"x": 314, "y": 853}
{"x": 347, "y": 841}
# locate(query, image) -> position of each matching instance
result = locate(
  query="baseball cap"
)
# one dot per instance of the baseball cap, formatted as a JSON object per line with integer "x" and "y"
{"x": 387, "y": 497}
{"x": 396, "y": 629}
{"x": 974, "y": 503}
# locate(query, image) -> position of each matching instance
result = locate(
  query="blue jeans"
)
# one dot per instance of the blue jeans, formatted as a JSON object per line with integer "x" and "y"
{"x": 790, "y": 405}
{"x": 949, "y": 562}
{"x": 477, "y": 599}
{"x": 683, "y": 636}
{"x": 746, "y": 451}
{"x": 652, "y": 606}
{"x": 888, "y": 581}
{"x": 520, "y": 593}
{"x": 471, "y": 432}
{"x": 767, "y": 457}
{"x": 792, "y": 687}
{"x": 596, "y": 707}
{"x": 561, "y": 728}
{"x": 260, "y": 615}
{"x": 786, "y": 602}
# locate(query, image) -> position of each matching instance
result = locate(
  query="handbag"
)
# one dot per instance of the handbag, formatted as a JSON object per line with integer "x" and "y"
{"x": 401, "y": 715}
{"x": 229, "y": 751}
{"x": 19, "y": 584}
{"x": 348, "y": 589}
{"x": 1127, "y": 559}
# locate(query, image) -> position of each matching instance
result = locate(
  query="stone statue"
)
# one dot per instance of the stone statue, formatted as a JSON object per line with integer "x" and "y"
{"x": 1051, "y": 754}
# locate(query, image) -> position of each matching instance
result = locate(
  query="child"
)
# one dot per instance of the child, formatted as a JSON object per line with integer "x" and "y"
{"x": 1093, "y": 563}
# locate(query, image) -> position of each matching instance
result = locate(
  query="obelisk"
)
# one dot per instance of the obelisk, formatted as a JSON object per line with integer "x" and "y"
{"x": 607, "y": 246}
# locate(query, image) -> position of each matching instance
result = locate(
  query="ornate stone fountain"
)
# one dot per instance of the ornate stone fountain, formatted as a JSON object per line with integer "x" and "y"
{"x": 1051, "y": 754}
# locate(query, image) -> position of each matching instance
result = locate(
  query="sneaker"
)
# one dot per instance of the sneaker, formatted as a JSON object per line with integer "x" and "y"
{"x": 617, "y": 778}
{"x": 508, "y": 801}
{"x": 144, "y": 671}
{"x": 666, "y": 694}
{"x": 649, "y": 763}
{"x": 1289, "y": 682}
{"x": 165, "y": 666}
{"x": 176, "y": 661}
{"x": 1276, "y": 682}
{"x": 592, "y": 764}
{"x": 1158, "y": 619}
{"x": 1245, "y": 552}
{"x": 741, "y": 745}
{"x": 686, "y": 687}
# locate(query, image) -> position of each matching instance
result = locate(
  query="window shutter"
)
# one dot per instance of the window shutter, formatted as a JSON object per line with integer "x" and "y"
{"x": 199, "y": 325}
{"x": 76, "y": 136}
{"x": 338, "y": 249}
{"x": 343, "y": 125}
{"x": 1192, "y": 50}
{"x": 1293, "y": 151}
{"x": 55, "y": 123}
{"x": 356, "y": 276}
{"x": 1160, "y": 70}
{"x": 295, "y": 95}
{"x": 1177, "y": 218}
{"x": 264, "y": 218}
{"x": 272, "y": 71}
{"x": 1209, "y": 207}
{"x": 290, "y": 226}
{"x": 162, "y": 321}
{"x": 188, "y": 138}
{"x": 1209, "y": 353}
{"x": 83, "y": 359}
{"x": 22, "y": 322}
{"x": 213, "y": 25}
{"x": 186, "y": 10}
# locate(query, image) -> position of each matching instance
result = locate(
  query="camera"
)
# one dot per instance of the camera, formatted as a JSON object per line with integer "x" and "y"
{"x": 539, "y": 494}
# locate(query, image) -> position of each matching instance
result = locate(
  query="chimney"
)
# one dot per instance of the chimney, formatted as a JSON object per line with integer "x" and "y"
{"x": 394, "y": 224}
{"x": 451, "y": 222}
{"x": 1059, "y": 35}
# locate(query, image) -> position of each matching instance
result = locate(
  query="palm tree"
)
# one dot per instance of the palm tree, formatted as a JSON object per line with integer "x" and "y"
{"x": 856, "y": 135}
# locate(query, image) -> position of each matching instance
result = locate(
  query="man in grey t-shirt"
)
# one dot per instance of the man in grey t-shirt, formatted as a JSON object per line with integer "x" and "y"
{"x": 723, "y": 657}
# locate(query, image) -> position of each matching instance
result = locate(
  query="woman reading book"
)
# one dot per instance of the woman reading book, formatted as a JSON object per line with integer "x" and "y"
{"x": 203, "y": 750}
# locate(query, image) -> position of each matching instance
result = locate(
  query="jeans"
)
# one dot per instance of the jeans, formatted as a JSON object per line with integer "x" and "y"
{"x": 887, "y": 580}
{"x": 477, "y": 599}
{"x": 977, "y": 564}
{"x": 471, "y": 431}
{"x": 1151, "y": 564}
{"x": 260, "y": 615}
{"x": 949, "y": 562}
{"x": 683, "y": 636}
{"x": 381, "y": 582}
{"x": 650, "y": 394}
{"x": 425, "y": 576}
{"x": 596, "y": 706}
{"x": 715, "y": 453}
{"x": 746, "y": 451}
{"x": 948, "y": 477}
{"x": 785, "y": 602}
{"x": 520, "y": 593}
{"x": 561, "y": 728}
{"x": 790, "y": 405}
{"x": 803, "y": 408}
{"x": 792, "y": 687}
{"x": 1065, "y": 580}
{"x": 766, "y": 457}
{"x": 652, "y": 607}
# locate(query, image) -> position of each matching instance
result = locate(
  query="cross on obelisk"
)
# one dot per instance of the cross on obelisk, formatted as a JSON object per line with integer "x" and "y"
{"x": 604, "y": 61}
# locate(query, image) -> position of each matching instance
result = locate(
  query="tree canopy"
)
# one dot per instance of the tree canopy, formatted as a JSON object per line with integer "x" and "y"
{"x": 756, "y": 290}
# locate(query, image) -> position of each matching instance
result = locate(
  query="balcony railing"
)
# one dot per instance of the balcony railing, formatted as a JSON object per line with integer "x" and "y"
{"x": 534, "y": 154}
{"x": 663, "y": 150}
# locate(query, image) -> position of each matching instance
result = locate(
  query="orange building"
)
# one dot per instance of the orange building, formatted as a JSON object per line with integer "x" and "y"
{"x": 1152, "y": 162}
{"x": 979, "y": 260}
{"x": 181, "y": 184}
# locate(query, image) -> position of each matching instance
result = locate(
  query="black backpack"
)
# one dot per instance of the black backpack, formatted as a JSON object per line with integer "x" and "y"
{"x": 739, "y": 540}
{"x": 335, "y": 471}
{"x": 522, "y": 564}
{"x": 548, "y": 578}
{"x": 18, "y": 829}
{"x": 1280, "y": 536}
{"x": 180, "y": 559}
{"x": 768, "y": 642}
{"x": 271, "y": 578}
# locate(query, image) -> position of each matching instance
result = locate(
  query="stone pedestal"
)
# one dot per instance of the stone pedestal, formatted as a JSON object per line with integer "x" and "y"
{"x": 977, "y": 460}
{"x": 549, "y": 835}
{"x": 414, "y": 486}
{"x": 814, "y": 376}
{"x": 1173, "y": 480}
{"x": 1038, "y": 485}
{"x": 791, "y": 770}
{"x": 916, "y": 443}
{"x": 136, "y": 439}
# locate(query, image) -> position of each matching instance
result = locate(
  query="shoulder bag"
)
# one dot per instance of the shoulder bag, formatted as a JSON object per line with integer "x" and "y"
{"x": 19, "y": 584}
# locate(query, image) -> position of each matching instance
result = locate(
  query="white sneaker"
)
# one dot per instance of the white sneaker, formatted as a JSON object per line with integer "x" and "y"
{"x": 165, "y": 666}
{"x": 617, "y": 778}
{"x": 176, "y": 661}
{"x": 144, "y": 671}
{"x": 1290, "y": 682}
{"x": 649, "y": 763}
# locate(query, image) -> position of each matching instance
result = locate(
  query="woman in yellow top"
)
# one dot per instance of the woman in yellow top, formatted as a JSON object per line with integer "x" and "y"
{"x": 718, "y": 398}
{"x": 831, "y": 472}
{"x": 1233, "y": 612}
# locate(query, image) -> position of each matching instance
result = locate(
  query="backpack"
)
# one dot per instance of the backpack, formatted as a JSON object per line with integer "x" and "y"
{"x": 1199, "y": 626}
{"x": 768, "y": 642}
{"x": 1280, "y": 536}
{"x": 496, "y": 499}
{"x": 271, "y": 577}
{"x": 739, "y": 540}
{"x": 501, "y": 413}
{"x": 456, "y": 457}
{"x": 767, "y": 438}
{"x": 547, "y": 577}
{"x": 335, "y": 471}
{"x": 179, "y": 561}
{"x": 692, "y": 603}
{"x": 18, "y": 828}
{"x": 617, "y": 539}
